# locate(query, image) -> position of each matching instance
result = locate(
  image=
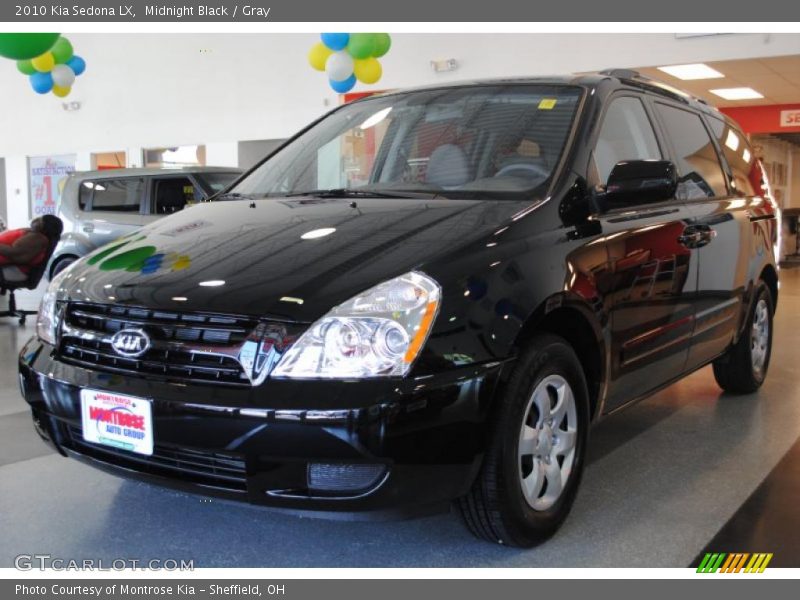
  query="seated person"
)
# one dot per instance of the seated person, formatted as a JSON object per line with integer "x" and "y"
{"x": 23, "y": 249}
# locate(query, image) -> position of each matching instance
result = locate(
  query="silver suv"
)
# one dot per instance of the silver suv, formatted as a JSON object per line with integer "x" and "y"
{"x": 97, "y": 207}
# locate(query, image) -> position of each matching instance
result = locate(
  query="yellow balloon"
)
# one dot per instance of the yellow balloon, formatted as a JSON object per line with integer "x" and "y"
{"x": 61, "y": 92}
{"x": 318, "y": 56}
{"x": 368, "y": 70}
{"x": 44, "y": 63}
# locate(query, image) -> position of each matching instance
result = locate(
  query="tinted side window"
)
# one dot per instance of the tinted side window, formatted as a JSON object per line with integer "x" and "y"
{"x": 626, "y": 134}
{"x": 739, "y": 156}
{"x": 699, "y": 170}
{"x": 173, "y": 194}
{"x": 117, "y": 195}
{"x": 85, "y": 194}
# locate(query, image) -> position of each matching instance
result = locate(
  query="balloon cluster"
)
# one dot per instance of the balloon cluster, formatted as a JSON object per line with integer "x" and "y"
{"x": 46, "y": 58}
{"x": 350, "y": 57}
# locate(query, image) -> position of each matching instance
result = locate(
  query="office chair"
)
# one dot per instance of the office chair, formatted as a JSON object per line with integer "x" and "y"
{"x": 32, "y": 281}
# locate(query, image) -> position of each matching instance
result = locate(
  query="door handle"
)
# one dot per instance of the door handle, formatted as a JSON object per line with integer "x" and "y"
{"x": 696, "y": 236}
{"x": 88, "y": 227}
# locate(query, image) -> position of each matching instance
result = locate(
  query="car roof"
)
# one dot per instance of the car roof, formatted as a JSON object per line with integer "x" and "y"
{"x": 150, "y": 171}
{"x": 622, "y": 77}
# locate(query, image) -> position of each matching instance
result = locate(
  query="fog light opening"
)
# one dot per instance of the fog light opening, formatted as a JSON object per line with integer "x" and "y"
{"x": 344, "y": 478}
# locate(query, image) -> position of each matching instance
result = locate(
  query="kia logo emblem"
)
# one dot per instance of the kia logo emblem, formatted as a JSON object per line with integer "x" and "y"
{"x": 130, "y": 342}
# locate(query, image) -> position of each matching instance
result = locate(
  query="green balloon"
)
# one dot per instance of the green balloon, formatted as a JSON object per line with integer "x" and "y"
{"x": 25, "y": 67}
{"x": 361, "y": 45}
{"x": 382, "y": 44}
{"x": 62, "y": 50}
{"x": 22, "y": 46}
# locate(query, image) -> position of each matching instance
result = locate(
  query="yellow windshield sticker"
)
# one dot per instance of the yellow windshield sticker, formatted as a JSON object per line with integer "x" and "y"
{"x": 547, "y": 103}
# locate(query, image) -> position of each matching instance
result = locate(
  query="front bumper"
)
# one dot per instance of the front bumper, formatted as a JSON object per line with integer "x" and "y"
{"x": 422, "y": 438}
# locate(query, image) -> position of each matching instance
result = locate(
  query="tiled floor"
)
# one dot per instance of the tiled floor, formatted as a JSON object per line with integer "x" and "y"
{"x": 664, "y": 477}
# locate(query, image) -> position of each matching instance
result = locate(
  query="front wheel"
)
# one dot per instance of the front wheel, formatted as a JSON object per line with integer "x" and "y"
{"x": 743, "y": 368}
{"x": 533, "y": 466}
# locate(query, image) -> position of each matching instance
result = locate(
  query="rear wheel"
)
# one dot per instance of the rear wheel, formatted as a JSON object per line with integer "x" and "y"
{"x": 533, "y": 466}
{"x": 743, "y": 368}
{"x": 61, "y": 264}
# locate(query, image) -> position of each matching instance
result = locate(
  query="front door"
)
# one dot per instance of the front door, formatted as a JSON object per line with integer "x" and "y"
{"x": 650, "y": 285}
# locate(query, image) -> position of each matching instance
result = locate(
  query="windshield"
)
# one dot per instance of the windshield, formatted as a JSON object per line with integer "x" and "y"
{"x": 478, "y": 141}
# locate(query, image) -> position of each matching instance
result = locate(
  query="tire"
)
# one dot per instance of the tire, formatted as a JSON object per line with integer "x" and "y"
{"x": 743, "y": 368}
{"x": 497, "y": 507}
{"x": 61, "y": 264}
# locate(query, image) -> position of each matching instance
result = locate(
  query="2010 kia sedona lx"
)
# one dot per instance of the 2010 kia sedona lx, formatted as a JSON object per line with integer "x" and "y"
{"x": 425, "y": 296}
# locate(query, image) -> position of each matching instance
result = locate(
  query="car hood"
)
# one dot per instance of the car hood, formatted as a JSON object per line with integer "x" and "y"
{"x": 279, "y": 257}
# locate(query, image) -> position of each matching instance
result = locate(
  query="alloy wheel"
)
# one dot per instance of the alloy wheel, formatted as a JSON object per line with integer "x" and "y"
{"x": 547, "y": 441}
{"x": 759, "y": 337}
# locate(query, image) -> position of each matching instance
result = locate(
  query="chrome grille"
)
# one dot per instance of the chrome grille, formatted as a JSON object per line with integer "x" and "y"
{"x": 184, "y": 346}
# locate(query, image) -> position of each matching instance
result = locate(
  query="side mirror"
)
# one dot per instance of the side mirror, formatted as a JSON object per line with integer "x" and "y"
{"x": 639, "y": 182}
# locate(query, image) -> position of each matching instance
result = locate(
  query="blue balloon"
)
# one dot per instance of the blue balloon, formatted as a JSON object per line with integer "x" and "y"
{"x": 335, "y": 41}
{"x": 41, "y": 83}
{"x": 77, "y": 64}
{"x": 343, "y": 86}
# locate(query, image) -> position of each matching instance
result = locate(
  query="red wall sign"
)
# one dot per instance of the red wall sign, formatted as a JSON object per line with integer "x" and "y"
{"x": 790, "y": 118}
{"x": 351, "y": 96}
{"x": 774, "y": 118}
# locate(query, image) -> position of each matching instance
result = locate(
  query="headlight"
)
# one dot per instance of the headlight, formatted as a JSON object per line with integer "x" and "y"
{"x": 376, "y": 334}
{"x": 47, "y": 319}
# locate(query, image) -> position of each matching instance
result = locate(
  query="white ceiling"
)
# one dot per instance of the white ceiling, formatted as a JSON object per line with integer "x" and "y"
{"x": 777, "y": 78}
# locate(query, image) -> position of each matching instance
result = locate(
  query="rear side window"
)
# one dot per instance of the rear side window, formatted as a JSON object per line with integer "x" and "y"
{"x": 626, "y": 134}
{"x": 85, "y": 194}
{"x": 112, "y": 195}
{"x": 699, "y": 170}
{"x": 739, "y": 156}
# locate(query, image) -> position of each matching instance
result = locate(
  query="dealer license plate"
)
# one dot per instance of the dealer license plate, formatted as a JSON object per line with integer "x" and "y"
{"x": 117, "y": 420}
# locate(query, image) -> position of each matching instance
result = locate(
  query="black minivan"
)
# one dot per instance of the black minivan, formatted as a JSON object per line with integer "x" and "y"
{"x": 424, "y": 297}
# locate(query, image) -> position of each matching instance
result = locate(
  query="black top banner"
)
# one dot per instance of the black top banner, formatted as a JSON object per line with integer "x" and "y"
{"x": 444, "y": 11}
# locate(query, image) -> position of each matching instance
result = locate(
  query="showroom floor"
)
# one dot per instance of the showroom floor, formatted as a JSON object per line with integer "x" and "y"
{"x": 686, "y": 470}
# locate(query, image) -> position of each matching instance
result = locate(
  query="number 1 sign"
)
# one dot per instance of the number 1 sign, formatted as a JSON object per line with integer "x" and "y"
{"x": 48, "y": 174}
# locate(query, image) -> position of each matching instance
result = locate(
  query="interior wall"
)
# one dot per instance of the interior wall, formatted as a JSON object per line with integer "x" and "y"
{"x": 777, "y": 156}
{"x": 3, "y": 208}
{"x": 16, "y": 187}
{"x": 149, "y": 90}
{"x": 252, "y": 151}
{"x": 152, "y": 90}
{"x": 794, "y": 196}
{"x": 222, "y": 154}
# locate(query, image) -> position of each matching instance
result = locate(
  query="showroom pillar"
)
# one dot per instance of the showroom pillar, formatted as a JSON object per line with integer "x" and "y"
{"x": 3, "y": 208}
{"x": 16, "y": 188}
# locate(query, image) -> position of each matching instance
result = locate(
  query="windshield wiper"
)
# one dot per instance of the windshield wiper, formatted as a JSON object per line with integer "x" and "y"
{"x": 351, "y": 193}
